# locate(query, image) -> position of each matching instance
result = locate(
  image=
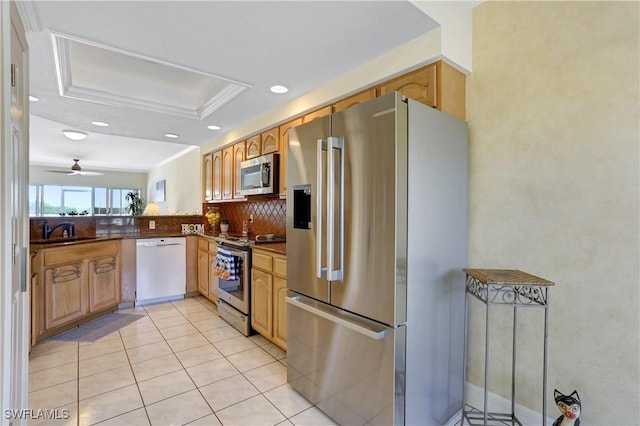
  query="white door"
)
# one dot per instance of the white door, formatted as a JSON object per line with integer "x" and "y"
{"x": 14, "y": 296}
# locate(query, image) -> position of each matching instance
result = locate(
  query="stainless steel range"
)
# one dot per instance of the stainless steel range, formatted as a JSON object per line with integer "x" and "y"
{"x": 233, "y": 267}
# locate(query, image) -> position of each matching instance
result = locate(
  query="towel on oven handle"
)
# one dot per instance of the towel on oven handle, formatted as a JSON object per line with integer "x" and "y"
{"x": 227, "y": 265}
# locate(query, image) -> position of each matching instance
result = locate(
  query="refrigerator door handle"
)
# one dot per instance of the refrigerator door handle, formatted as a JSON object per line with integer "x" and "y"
{"x": 321, "y": 271}
{"x": 377, "y": 334}
{"x": 334, "y": 274}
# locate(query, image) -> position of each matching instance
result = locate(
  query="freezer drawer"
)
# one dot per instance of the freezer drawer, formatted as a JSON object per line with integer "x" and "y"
{"x": 350, "y": 367}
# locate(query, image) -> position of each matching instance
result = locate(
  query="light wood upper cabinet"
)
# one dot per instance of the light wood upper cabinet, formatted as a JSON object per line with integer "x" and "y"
{"x": 284, "y": 143}
{"x": 227, "y": 173}
{"x": 104, "y": 283}
{"x": 419, "y": 85}
{"x": 254, "y": 147}
{"x": 452, "y": 90}
{"x": 208, "y": 177}
{"x": 438, "y": 85}
{"x": 238, "y": 157}
{"x": 322, "y": 112}
{"x": 216, "y": 170}
{"x": 270, "y": 141}
{"x": 358, "y": 98}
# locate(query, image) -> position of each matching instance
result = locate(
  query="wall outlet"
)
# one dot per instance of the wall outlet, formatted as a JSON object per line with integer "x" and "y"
{"x": 152, "y": 224}
{"x": 251, "y": 218}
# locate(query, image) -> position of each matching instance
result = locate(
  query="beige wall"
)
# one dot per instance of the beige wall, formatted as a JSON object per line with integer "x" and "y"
{"x": 183, "y": 184}
{"x": 553, "y": 111}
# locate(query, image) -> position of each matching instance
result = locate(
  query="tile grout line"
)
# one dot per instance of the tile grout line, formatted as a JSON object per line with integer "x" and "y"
{"x": 183, "y": 316}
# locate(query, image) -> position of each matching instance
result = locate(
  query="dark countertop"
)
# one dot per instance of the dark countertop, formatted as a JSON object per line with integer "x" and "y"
{"x": 35, "y": 245}
{"x": 279, "y": 247}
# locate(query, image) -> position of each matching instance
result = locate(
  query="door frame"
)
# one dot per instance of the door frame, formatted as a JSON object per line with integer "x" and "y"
{"x": 14, "y": 229}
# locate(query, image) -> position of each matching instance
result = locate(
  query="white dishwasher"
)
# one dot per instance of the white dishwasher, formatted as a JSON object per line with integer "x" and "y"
{"x": 161, "y": 269}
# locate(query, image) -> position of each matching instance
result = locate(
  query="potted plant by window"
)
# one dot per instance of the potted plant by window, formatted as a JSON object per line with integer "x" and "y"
{"x": 136, "y": 204}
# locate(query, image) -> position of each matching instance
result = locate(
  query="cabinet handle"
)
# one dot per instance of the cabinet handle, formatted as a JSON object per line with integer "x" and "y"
{"x": 104, "y": 267}
{"x": 66, "y": 274}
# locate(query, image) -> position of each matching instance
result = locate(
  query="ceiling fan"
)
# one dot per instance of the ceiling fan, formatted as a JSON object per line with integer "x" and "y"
{"x": 76, "y": 170}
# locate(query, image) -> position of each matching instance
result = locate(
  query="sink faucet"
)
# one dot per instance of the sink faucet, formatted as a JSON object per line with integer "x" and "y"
{"x": 47, "y": 230}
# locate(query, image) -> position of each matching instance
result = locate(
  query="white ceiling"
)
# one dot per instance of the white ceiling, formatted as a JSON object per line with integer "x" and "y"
{"x": 154, "y": 67}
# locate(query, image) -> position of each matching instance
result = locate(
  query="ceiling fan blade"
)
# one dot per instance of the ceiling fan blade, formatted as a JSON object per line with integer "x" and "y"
{"x": 88, "y": 173}
{"x": 61, "y": 171}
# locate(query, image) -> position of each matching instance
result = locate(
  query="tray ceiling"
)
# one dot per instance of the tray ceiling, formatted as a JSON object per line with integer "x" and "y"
{"x": 155, "y": 67}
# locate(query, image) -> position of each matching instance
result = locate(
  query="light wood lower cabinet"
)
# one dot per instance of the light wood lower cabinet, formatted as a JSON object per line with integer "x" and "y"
{"x": 69, "y": 284}
{"x": 207, "y": 280}
{"x": 104, "y": 288}
{"x": 65, "y": 294}
{"x": 268, "y": 291}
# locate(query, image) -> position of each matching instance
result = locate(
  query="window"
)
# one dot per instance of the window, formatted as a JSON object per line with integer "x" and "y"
{"x": 53, "y": 200}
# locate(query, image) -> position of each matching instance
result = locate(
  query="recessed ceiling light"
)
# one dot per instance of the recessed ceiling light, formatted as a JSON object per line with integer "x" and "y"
{"x": 33, "y": 98}
{"x": 171, "y": 135}
{"x": 213, "y": 127}
{"x": 75, "y": 135}
{"x": 100, "y": 124}
{"x": 279, "y": 89}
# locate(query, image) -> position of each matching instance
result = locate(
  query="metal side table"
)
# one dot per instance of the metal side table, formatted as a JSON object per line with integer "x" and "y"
{"x": 506, "y": 288}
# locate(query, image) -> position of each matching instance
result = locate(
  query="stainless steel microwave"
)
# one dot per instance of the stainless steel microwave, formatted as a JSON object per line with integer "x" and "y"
{"x": 259, "y": 176}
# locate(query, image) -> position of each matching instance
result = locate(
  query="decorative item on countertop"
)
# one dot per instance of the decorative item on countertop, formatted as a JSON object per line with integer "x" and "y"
{"x": 569, "y": 406}
{"x": 224, "y": 225}
{"x": 213, "y": 216}
{"x": 192, "y": 228}
{"x": 245, "y": 228}
{"x": 136, "y": 204}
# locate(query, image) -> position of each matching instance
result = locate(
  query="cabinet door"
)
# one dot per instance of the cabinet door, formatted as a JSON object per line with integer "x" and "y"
{"x": 104, "y": 283}
{"x": 419, "y": 85}
{"x": 322, "y": 112}
{"x": 284, "y": 146}
{"x": 358, "y": 98}
{"x": 227, "y": 173}
{"x": 253, "y": 147}
{"x": 261, "y": 302}
{"x": 65, "y": 294}
{"x": 280, "y": 312}
{"x": 270, "y": 141}
{"x": 213, "y": 278}
{"x": 238, "y": 157}
{"x": 207, "y": 171}
{"x": 203, "y": 272}
{"x": 216, "y": 171}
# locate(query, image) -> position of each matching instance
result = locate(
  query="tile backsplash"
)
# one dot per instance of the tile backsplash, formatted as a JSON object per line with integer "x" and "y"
{"x": 269, "y": 216}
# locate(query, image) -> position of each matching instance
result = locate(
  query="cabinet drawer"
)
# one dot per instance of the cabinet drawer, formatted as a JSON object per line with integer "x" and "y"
{"x": 203, "y": 244}
{"x": 68, "y": 254}
{"x": 262, "y": 261}
{"x": 280, "y": 266}
{"x": 212, "y": 246}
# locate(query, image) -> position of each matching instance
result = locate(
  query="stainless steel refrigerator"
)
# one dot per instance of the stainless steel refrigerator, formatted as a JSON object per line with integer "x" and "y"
{"x": 376, "y": 240}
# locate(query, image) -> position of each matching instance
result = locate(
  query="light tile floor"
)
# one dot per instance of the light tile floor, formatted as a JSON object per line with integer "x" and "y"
{"x": 178, "y": 364}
